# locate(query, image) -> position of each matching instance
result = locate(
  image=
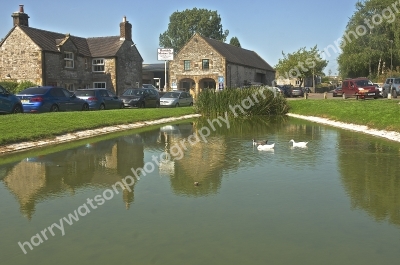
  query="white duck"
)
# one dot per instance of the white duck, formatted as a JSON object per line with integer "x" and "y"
{"x": 266, "y": 146}
{"x": 298, "y": 144}
{"x": 255, "y": 143}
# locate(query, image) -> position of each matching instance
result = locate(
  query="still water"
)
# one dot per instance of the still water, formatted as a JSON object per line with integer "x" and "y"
{"x": 335, "y": 202}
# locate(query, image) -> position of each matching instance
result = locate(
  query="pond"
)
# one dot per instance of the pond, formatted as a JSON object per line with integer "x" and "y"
{"x": 199, "y": 192}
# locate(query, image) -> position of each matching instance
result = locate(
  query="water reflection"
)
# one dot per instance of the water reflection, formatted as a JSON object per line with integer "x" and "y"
{"x": 371, "y": 175}
{"x": 369, "y": 170}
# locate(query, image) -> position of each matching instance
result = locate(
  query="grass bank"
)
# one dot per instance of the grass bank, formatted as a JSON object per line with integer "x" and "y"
{"x": 378, "y": 114}
{"x": 27, "y": 127}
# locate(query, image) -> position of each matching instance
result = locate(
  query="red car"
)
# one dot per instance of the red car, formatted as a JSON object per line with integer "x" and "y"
{"x": 359, "y": 88}
{"x": 337, "y": 92}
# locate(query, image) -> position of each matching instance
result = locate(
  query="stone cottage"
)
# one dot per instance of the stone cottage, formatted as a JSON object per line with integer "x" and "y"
{"x": 205, "y": 63}
{"x": 50, "y": 58}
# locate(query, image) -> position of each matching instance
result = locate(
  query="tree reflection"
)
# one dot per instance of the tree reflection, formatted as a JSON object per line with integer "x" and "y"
{"x": 371, "y": 176}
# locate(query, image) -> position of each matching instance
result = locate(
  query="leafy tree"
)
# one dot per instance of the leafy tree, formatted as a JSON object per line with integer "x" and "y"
{"x": 371, "y": 35}
{"x": 301, "y": 64}
{"x": 183, "y": 25}
{"x": 235, "y": 42}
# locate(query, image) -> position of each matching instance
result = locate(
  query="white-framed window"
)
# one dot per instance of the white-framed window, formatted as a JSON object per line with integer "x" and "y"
{"x": 206, "y": 64}
{"x": 186, "y": 65}
{"x": 98, "y": 65}
{"x": 68, "y": 60}
{"x": 99, "y": 85}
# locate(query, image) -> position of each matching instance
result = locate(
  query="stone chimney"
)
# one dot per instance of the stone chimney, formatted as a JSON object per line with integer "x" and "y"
{"x": 20, "y": 18}
{"x": 125, "y": 29}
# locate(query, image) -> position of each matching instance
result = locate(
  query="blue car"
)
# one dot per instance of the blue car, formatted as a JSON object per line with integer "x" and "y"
{"x": 100, "y": 98}
{"x": 50, "y": 99}
{"x": 9, "y": 103}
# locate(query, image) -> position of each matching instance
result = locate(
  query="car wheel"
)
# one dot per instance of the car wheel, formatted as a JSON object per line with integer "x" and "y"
{"x": 102, "y": 107}
{"x": 54, "y": 108}
{"x": 17, "y": 109}
{"x": 85, "y": 107}
{"x": 142, "y": 105}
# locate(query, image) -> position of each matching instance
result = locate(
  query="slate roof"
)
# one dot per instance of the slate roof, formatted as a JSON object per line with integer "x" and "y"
{"x": 238, "y": 55}
{"x": 90, "y": 47}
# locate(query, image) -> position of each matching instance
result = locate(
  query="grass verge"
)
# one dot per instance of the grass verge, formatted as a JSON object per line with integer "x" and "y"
{"x": 378, "y": 114}
{"x": 28, "y": 127}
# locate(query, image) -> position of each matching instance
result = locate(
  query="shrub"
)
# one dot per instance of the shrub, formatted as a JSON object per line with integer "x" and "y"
{"x": 15, "y": 87}
{"x": 253, "y": 101}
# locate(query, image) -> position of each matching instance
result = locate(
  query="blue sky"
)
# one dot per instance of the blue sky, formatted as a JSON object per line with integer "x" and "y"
{"x": 264, "y": 26}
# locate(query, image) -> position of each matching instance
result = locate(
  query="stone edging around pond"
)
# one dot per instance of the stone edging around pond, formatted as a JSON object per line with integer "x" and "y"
{"x": 391, "y": 135}
{"x": 87, "y": 134}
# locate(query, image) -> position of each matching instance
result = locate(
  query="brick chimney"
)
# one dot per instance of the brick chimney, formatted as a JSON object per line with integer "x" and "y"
{"x": 125, "y": 29}
{"x": 20, "y": 18}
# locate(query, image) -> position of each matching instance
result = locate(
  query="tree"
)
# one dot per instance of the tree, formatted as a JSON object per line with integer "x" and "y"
{"x": 366, "y": 43}
{"x": 235, "y": 42}
{"x": 301, "y": 64}
{"x": 183, "y": 25}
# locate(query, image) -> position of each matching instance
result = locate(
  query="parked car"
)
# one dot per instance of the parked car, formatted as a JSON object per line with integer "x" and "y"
{"x": 297, "y": 92}
{"x": 100, "y": 98}
{"x": 393, "y": 83}
{"x": 337, "y": 92}
{"x": 286, "y": 90}
{"x": 50, "y": 99}
{"x": 176, "y": 99}
{"x": 360, "y": 88}
{"x": 9, "y": 103}
{"x": 149, "y": 86}
{"x": 141, "y": 97}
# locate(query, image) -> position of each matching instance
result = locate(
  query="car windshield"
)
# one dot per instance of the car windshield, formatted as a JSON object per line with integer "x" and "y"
{"x": 34, "y": 91}
{"x": 83, "y": 93}
{"x": 133, "y": 92}
{"x": 362, "y": 83}
{"x": 171, "y": 95}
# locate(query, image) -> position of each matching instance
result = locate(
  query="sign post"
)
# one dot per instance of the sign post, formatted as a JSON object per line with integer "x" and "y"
{"x": 165, "y": 54}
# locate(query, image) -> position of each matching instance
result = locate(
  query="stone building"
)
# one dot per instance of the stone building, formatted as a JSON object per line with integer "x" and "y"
{"x": 205, "y": 63}
{"x": 50, "y": 58}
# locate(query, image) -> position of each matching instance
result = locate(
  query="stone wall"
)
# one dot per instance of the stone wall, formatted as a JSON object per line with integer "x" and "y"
{"x": 20, "y": 59}
{"x": 129, "y": 68}
{"x": 195, "y": 51}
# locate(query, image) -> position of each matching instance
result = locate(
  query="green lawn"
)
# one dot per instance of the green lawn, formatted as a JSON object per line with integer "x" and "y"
{"x": 379, "y": 114}
{"x": 26, "y": 127}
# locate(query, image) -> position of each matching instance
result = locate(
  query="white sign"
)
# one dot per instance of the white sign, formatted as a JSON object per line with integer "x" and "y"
{"x": 165, "y": 54}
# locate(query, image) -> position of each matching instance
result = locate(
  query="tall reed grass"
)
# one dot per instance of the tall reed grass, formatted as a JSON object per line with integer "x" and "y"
{"x": 246, "y": 102}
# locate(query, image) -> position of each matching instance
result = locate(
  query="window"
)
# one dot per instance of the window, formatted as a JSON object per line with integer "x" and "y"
{"x": 206, "y": 64}
{"x": 98, "y": 65}
{"x": 68, "y": 60}
{"x": 86, "y": 63}
{"x": 99, "y": 85}
{"x": 186, "y": 65}
{"x": 70, "y": 87}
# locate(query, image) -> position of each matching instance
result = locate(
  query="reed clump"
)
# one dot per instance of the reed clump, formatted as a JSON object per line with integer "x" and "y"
{"x": 253, "y": 101}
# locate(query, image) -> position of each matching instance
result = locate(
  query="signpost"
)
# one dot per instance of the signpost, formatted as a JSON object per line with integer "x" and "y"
{"x": 165, "y": 54}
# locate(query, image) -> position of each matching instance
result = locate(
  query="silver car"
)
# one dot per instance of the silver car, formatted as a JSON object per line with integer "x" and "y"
{"x": 176, "y": 99}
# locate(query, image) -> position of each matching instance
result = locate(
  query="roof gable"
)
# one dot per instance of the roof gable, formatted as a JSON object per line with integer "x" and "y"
{"x": 238, "y": 55}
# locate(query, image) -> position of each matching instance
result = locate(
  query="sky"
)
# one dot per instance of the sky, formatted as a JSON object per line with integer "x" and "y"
{"x": 267, "y": 27}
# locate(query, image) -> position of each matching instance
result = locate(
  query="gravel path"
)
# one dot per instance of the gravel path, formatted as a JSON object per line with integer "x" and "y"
{"x": 394, "y": 136}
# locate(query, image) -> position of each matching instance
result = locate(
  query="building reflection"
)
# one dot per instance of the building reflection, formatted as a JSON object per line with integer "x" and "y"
{"x": 371, "y": 176}
{"x": 98, "y": 165}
